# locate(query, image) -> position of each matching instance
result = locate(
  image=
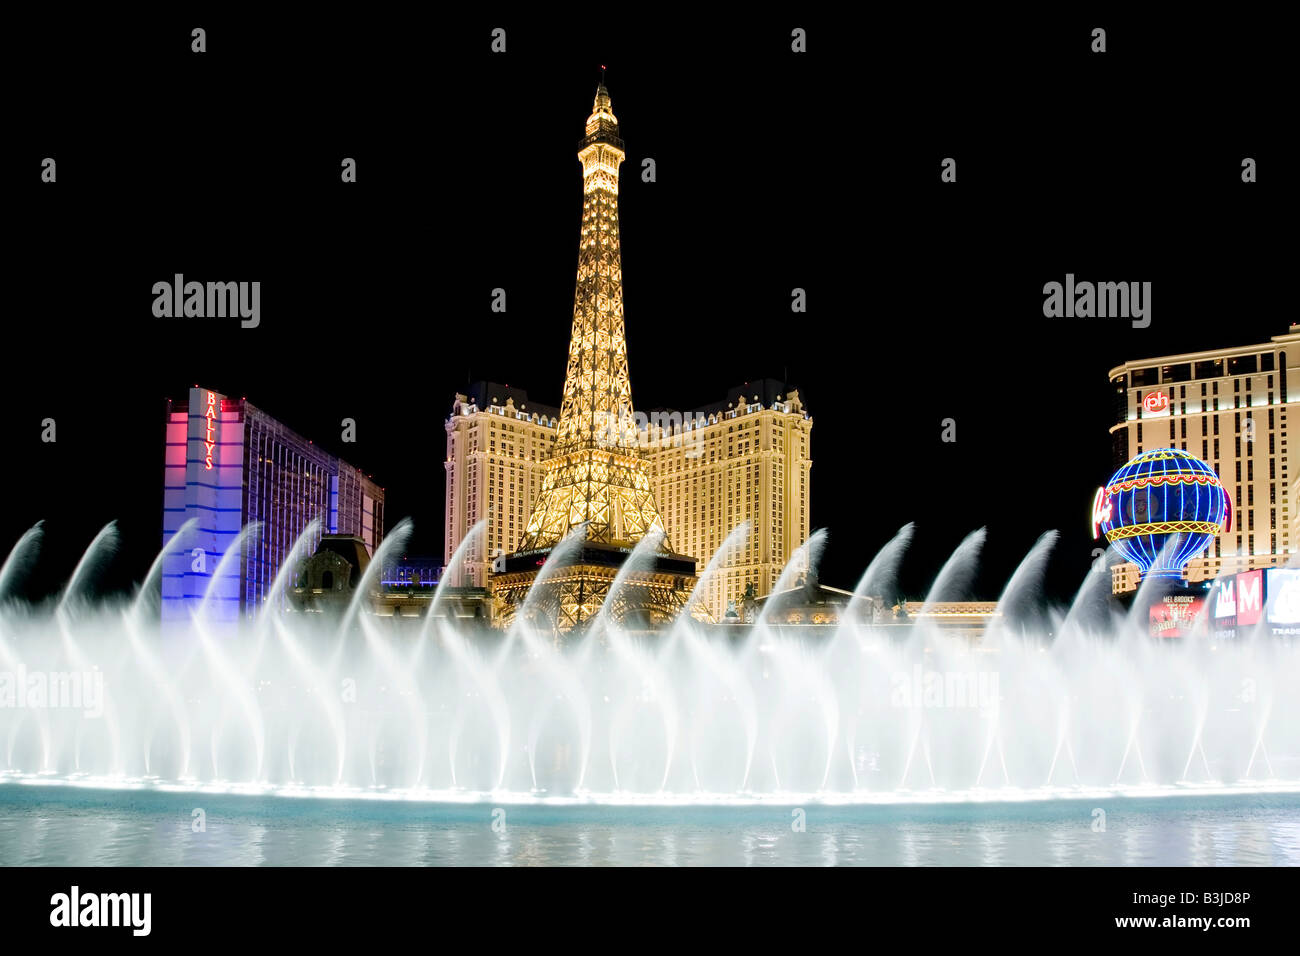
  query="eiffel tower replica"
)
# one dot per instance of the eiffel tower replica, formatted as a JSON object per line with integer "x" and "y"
{"x": 597, "y": 478}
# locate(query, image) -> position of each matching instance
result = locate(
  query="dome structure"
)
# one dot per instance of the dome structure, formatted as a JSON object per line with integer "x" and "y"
{"x": 1162, "y": 509}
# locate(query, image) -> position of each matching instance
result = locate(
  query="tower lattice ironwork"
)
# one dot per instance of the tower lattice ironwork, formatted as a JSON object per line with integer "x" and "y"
{"x": 598, "y": 476}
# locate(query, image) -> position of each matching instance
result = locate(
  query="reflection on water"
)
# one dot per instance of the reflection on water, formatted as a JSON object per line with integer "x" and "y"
{"x": 84, "y": 827}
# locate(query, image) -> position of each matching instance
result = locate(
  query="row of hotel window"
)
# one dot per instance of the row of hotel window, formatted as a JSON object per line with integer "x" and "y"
{"x": 1178, "y": 429}
{"x": 1250, "y": 542}
{"x": 1250, "y": 462}
{"x": 1206, "y": 403}
{"x": 688, "y": 422}
{"x": 1211, "y": 368}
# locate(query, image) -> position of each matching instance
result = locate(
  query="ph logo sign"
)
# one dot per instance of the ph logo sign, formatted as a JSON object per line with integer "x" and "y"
{"x": 1155, "y": 403}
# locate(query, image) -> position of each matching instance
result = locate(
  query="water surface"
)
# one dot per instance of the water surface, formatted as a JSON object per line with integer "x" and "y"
{"x": 76, "y": 826}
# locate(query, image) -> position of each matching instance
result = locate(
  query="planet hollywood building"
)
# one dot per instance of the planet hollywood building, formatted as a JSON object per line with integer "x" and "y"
{"x": 1229, "y": 408}
{"x": 229, "y": 464}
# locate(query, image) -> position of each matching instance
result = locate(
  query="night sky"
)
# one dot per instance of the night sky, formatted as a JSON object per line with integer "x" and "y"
{"x": 774, "y": 171}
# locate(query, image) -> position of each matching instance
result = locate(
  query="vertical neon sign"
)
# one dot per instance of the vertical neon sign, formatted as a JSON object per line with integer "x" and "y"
{"x": 1101, "y": 510}
{"x": 210, "y": 440}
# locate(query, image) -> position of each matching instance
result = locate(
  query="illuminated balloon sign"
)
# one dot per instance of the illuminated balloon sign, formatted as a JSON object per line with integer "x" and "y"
{"x": 1162, "y": 509}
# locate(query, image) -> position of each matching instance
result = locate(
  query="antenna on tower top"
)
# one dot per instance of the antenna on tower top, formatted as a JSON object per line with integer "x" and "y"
{"x": 602, "y": 74}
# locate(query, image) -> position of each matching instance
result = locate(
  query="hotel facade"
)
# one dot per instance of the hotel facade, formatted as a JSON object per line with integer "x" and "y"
{"x": 746, "y": 458}
{"x": 1230, "y": 408}
{"x": 228, "y": 464}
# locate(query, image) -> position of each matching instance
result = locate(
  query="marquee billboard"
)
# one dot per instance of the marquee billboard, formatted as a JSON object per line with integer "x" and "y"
{"x": 1175, "y": 615}
{"x": 1282, "y": 609}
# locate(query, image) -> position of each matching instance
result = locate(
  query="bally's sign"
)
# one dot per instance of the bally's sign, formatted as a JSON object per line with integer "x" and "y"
{"x": 209, "y": 430}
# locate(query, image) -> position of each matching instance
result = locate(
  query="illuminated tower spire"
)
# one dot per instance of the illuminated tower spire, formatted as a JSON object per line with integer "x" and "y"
{"x": 598, "y": 473}
{"x": 596, "y": 386}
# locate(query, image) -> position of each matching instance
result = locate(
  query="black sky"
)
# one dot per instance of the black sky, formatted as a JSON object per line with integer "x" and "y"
{"x": 774, "y": 171}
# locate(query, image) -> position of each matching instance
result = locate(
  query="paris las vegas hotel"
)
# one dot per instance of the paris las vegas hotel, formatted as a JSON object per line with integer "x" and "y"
{"x": 743, "y": 458}
{"x": 1229, "y": 407}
